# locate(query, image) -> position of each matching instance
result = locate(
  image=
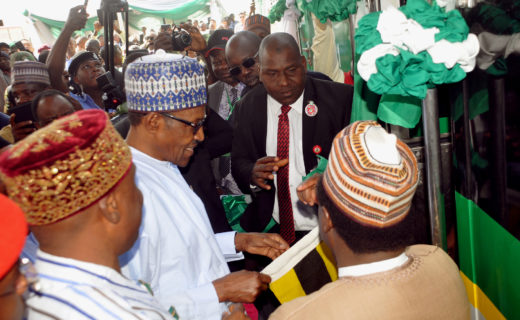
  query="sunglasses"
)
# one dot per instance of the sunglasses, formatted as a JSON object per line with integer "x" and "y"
{"x": 195, "y": 125}
{"x": 247, "y": 63}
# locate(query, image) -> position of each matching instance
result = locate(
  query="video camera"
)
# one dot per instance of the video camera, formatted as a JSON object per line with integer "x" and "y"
{"x": 180, "y": 39}
{"x": 113, "y": 96}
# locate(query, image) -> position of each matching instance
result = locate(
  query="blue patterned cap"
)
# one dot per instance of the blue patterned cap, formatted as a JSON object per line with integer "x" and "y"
{"x": 164, "y": 82}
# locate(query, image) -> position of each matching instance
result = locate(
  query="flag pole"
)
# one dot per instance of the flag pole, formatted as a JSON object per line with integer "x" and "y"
{"x": 432, "y": 150}
{"x": 497, "y": 107}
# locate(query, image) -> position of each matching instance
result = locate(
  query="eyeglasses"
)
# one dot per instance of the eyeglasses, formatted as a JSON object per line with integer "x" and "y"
{"x": 195, "y": 125}
{"x": 247, "y": 63}
{"x": 27, "y": 270}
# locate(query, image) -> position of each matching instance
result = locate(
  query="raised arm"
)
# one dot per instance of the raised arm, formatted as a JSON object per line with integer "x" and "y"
{"x": 56, "y": 61}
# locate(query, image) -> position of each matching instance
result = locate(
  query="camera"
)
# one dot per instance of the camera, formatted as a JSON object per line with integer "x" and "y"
{"x": 113, "y": 96}
{"x": 180, "y": 39}
{"x": 109, "y": 7}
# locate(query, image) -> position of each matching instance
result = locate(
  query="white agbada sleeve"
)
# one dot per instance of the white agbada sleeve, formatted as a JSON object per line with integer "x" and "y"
{"x": 176, "y": 252}
{"x": 226, "y": 242}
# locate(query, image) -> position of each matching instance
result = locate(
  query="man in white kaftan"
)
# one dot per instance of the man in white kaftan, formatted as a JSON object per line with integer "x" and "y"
{"x": 177, "y": 251}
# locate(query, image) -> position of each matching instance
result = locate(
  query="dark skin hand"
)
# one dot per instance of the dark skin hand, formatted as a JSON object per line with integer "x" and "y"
{"x": 242, "y": 286}
{"x": 21, "y": 129}
{"x": 307, "y": 190}
{"x": 77, "y": 18}
{"x": 56, "y": 60}
{"x": 236, "y": 312}
{"x": 263, "y": 170}
{"x": 270, "y": 245}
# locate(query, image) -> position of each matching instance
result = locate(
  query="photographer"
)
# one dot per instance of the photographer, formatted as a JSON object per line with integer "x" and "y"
{"x": 182, "y": 38}
{"x": 186, "y": 39}
{"x": 84, "y": 67}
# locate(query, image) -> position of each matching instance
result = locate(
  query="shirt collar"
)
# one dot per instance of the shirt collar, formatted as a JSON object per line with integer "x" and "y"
{"x": 45, "y": 262}
{"x": 240, "y": 86}
{"x": 138, "y": 154}
{"x": 296, "y": 106}
{"x": 374, "y": 267}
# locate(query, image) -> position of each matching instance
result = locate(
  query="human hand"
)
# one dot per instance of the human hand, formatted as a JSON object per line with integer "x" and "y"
{"x": 77, "y": 18}
{"x": 307, "y": 190}
{"x": 263, "y": 170}
{"x": 116, "y": 26}
{"x": 266, "y": 244}
{"x": 97, "y": 26}
{"x": 21, "y": 129}
{"x": 241, "y": 286}
{"x": 236, "y": 312}
{"x": 198, "y": 43}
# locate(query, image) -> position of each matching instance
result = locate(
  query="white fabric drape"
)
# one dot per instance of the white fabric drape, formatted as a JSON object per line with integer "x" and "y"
{"x": 290, "y": 20}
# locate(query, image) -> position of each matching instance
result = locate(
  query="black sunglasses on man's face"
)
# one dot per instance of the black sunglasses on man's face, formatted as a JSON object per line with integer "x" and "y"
{"x": 247, "y": 63}
{"x": 195, "y": 125}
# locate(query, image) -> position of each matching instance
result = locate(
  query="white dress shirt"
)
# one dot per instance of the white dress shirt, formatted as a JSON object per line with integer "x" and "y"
{"x": 177, "y": 252}
{"x": 305, "y": 217}
{"x": 224, "y": 110}
{"x": 374, "y": 267}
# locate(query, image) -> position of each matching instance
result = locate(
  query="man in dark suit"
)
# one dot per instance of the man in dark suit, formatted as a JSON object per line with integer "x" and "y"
{"x": 223, "y": 96}
{"x": 280, "y": 126}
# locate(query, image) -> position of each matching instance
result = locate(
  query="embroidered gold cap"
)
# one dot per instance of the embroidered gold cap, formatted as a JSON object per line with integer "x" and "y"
{"x": 65, "y": 167}
{"x": 371, "y": 175}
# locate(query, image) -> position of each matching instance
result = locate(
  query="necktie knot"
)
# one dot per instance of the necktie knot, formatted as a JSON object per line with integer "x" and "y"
{"x": 286, "y": 109}
{"x": 234, "y": 92}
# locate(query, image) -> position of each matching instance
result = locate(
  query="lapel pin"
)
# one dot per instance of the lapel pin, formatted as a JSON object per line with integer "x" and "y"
{"x": 316, "y": 149}
{"x": 311, "y": 109}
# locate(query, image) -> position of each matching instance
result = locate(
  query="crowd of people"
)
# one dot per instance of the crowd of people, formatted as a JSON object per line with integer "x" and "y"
{"x": 113, "y": 210}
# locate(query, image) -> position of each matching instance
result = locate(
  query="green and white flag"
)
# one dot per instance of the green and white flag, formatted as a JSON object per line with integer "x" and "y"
{"x": 489, "y": 258}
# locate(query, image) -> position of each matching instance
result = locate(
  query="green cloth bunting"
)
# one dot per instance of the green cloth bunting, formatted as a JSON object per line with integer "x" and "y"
{"x": 365, "y": 101}
{"x": 320, "y": 168}
{"x": 235, "y": 206}
{"x": 403, "y": 79}
{"x": 335, "y": 10}
{"x": 277, "y": 11}
{"x": 393, "y": 107}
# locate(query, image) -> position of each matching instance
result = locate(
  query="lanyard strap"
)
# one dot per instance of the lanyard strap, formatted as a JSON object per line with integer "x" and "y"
{"x": 231, "y": 106}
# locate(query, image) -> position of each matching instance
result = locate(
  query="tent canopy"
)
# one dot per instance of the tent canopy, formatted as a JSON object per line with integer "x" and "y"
{"x": 150, "y": 13}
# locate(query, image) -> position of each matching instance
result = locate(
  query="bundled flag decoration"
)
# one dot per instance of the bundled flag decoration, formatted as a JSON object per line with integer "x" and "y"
{"x": 235, "y": 206}
{"x": 304, "y": 268}
{"x": 335, "y": 10}
{"x": 415, "y": 48}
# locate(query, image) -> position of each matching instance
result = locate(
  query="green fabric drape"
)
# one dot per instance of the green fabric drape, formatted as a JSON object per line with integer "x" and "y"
{"x": 56, "y": 26}
{"x": 235, "y": 206}
{"x": 276, "y": 12}
{"x": 365, "y": 102}
{"x": 178, "y": 14}
{"x": 335, "y": 10}
{"x": 136, "y": 16}
{"x": 500, "y": 18}
{"x": 404, "y": 79}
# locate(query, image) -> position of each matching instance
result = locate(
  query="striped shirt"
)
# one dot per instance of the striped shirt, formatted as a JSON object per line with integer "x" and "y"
{"x": 72, "y": 289}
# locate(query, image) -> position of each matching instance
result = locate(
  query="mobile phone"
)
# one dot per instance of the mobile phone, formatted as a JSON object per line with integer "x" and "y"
{"x": 166, "y": 27}
{"x": 23, "y": 112}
